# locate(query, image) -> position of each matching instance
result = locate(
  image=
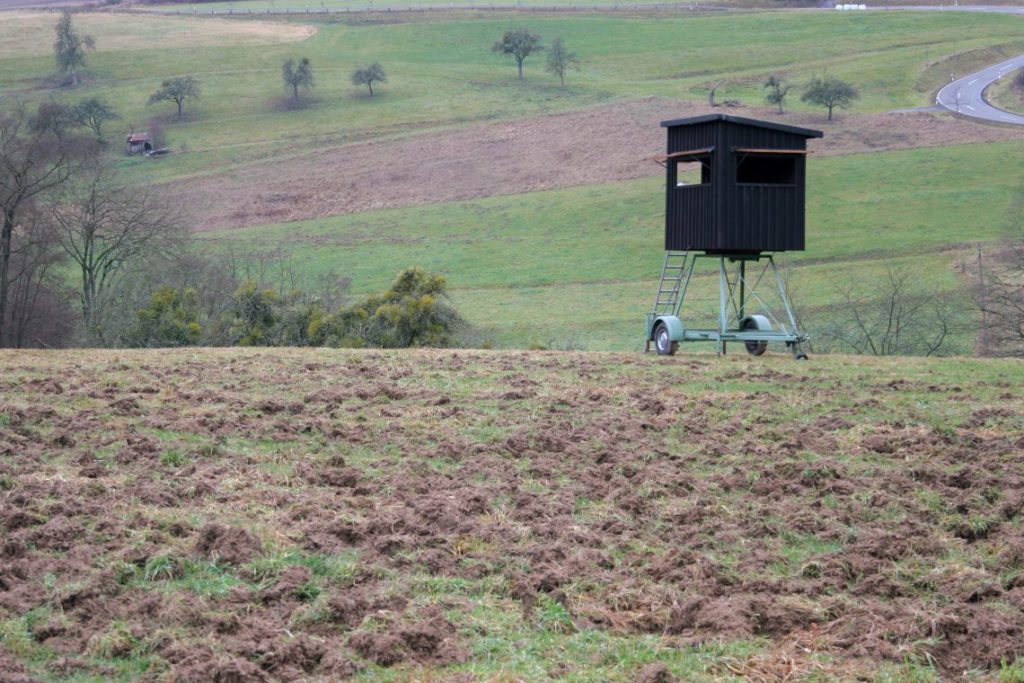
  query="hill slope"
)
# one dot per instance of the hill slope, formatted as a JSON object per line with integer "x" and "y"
{"x": 312, "y": 514}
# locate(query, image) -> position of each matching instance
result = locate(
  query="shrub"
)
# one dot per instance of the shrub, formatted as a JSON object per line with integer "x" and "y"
{"x": 410, "y": 313}
{"x": 172, "y": 319}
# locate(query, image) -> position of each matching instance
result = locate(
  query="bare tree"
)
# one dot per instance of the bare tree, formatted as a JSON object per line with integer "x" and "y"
{"x": 70, "y": 46}
{"x": 103, "y": 227}
{"x": 37, "y": 155}
{"x": 777, "y": 89}
{"x": 1000, "y": 300}
{"x": 1000, "y": 289}
{"x": 93, "y": 113}
{"x": 894, "y": 316}
{"x": 560, "y": 59}
{"x": 36, "y": 313}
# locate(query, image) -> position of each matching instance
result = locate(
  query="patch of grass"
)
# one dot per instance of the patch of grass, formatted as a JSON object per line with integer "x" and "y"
{"x": 337, "y": 569}
{"x": 1012, "y": 672}
{"x": 172, "y": 457}
{"x": 174, "y": 573}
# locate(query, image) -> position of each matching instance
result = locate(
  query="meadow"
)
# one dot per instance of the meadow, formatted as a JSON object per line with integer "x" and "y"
{"x": 442, "y": 72}
{"x": 567, "y": 266}
{"x": 577, "y": 267}
{"x": 497, "y": 515}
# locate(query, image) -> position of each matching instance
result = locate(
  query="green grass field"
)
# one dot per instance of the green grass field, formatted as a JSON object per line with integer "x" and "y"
{"x": 590, "y": 281}
{"x": 572, "y": 267}
{"x": 442, "y": 73}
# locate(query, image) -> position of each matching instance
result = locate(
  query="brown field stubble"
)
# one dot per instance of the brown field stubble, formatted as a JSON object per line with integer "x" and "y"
{"x": 868, "y": 512}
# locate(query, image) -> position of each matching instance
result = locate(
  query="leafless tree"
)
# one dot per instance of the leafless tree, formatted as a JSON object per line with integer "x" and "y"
{"x": 894, "y": 316}
{"x": 36, "y": 314}
{"x": 1001, "y": 301}
{"x": 1000, "y": 290}
{"x": 37, "y": 155}
{"x": 103, "y": 227}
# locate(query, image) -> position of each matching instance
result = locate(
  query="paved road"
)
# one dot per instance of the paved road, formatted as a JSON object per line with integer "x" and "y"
{"x": 964, "y": 96}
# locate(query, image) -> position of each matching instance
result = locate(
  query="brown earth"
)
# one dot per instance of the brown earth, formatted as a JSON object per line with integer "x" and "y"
{"x": 822, "y": 509}
{"x": 602, "y": 144}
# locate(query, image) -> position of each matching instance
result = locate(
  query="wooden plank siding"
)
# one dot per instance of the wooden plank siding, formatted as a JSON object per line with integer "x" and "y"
{"x": 726, "y": 215}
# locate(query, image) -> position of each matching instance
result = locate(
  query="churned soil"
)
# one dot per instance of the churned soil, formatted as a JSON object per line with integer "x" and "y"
{"x": 247, "y": 515}
{"x": 602, "y": 144}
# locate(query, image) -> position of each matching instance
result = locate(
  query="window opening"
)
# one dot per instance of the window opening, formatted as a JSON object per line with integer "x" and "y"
{"x": 693, "y": 171}
{"x": 754, "y": 169}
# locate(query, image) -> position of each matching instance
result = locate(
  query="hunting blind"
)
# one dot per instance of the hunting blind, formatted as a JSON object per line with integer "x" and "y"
{"x": 735, "y": 194}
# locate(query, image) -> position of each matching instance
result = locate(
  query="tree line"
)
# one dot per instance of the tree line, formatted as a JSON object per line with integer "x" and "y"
{"x": 87, "y": 260}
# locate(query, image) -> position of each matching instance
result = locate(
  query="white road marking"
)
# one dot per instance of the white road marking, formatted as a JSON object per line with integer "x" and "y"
{"x": 972, "y": 82}
{"x": 967, "y": 106}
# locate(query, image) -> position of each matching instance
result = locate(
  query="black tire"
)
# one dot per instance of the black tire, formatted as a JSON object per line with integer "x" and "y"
{"x": 662, "y": 343}
{"x": 754, "y": 348}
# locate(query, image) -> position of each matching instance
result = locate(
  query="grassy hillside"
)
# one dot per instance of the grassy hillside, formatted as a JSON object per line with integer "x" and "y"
{"x": 1004, "y": 94}
{"x": 571, "y": 267}
{"x": 312, "y": 514}
{"x": 442, "y": 72}
{"x": 577, "y": 266}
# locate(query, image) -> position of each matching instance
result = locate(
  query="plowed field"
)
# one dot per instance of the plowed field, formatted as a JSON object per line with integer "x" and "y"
{"x": 231, "y": 515}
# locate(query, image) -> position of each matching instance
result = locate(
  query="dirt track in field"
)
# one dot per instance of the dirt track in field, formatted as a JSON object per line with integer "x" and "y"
{"x": 603, "y": 144}
{"x": 852, "y": 529}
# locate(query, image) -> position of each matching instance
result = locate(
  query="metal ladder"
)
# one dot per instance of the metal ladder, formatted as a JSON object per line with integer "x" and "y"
{"x": 666, "y": 302}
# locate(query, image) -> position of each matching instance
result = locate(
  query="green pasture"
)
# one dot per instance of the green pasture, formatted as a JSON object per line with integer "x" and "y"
{"x": 442, "y": 72}
{"x": 577, "y": 267}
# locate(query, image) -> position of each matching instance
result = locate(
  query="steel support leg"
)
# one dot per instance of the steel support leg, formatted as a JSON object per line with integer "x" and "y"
{"x": 782, "y": 294}
{"x": 723, "y": 306}
{"x": 743, "y": 285}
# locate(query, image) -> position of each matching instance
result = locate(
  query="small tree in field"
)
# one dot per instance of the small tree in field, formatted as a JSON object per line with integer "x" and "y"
{"x": 829, "y": 92}
{"x": 560, "y": 59}
{"x": 367, "y": 75}
{"x": 777, "y": 89}
{"x": 93, "y": 113}
{"x": 70, "y": 46}
{"x": 297, "y": 75}
{"x": 176, "y": 90}
{"x": 520, "y": 43}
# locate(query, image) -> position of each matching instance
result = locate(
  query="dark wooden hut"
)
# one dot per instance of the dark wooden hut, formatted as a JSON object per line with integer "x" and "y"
{"x": 734, "y": 185}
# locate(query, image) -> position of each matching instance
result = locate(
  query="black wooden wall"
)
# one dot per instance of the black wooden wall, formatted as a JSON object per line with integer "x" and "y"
{"x": 754, "y": 201}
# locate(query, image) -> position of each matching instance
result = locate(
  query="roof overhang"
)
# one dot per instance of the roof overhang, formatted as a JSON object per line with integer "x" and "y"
{"x": 739, "y": 120}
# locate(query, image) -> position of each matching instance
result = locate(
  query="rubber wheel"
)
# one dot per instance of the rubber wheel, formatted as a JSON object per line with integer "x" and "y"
{"x": 801, "y": 356}
{"x": 754, "y": 348}
{"x": 662, "y": 343}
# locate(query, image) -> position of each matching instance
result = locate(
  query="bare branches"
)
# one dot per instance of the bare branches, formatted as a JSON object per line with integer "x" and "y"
{"x": 37, "y": 155}
{"x": 102, "y": 227}
{"x": 897, "y": 315}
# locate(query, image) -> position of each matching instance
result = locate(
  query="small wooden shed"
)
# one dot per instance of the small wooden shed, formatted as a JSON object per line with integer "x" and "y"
{"x": 139, "y": 143}
{"x": 734, "y": 185}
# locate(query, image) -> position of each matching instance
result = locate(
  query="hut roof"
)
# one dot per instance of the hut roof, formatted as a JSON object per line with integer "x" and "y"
{"x": 806, "y": 132}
